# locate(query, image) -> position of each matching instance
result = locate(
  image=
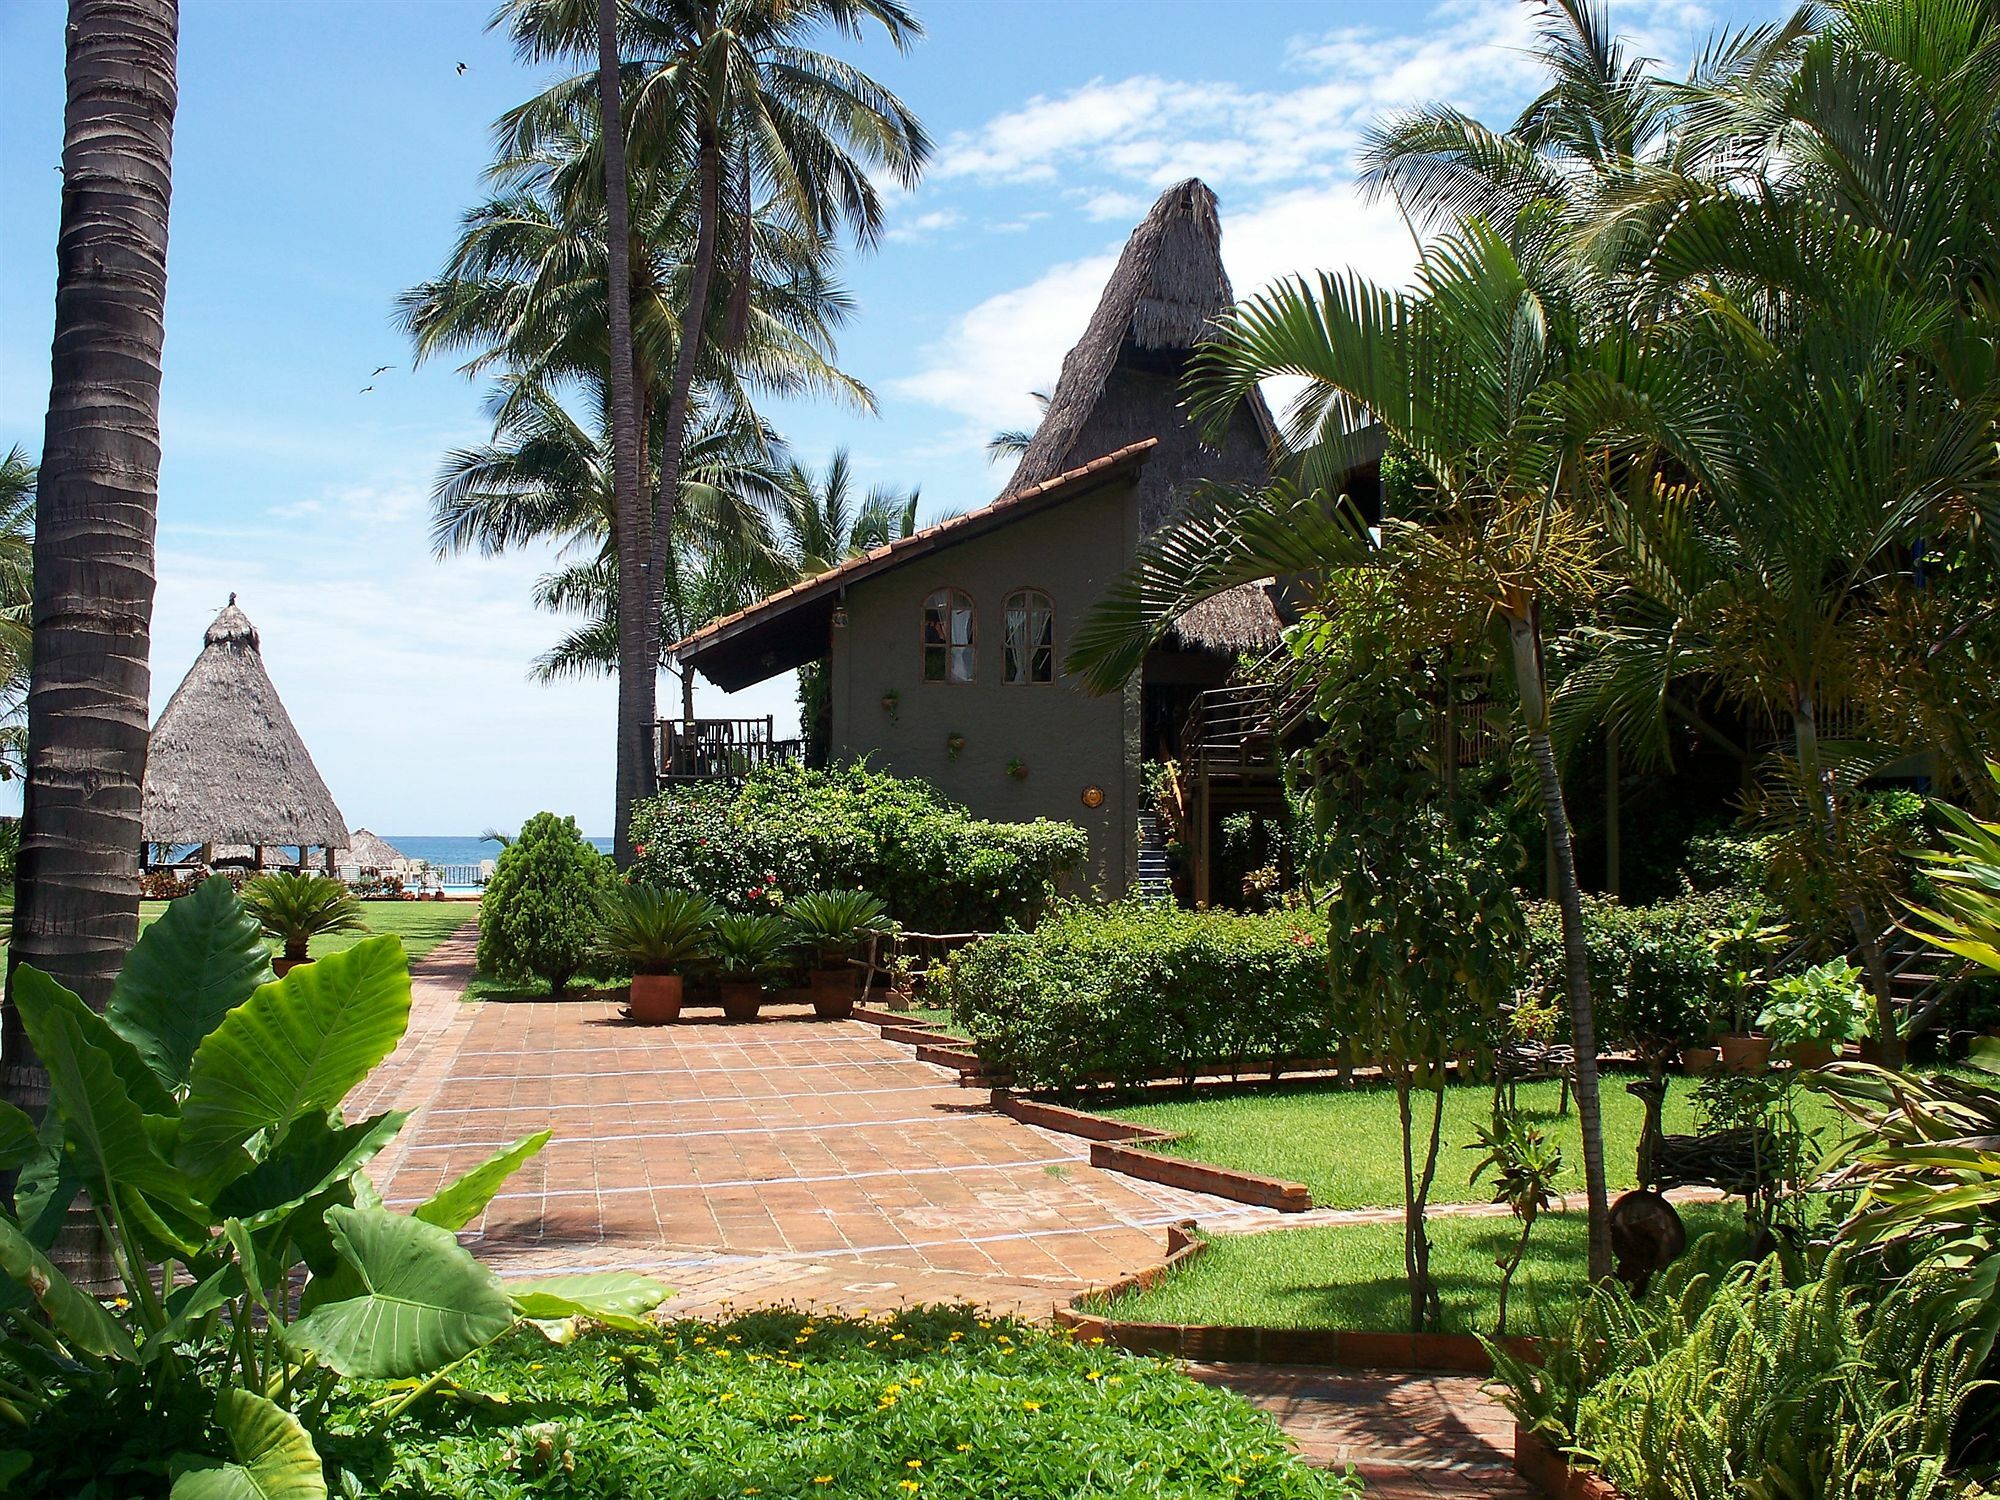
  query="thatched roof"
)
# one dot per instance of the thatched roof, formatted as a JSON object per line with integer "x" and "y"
{"x": 225, "y": 765}
{"x": 1240, "y": 619}
{"x": 1162, "y": 300}
{"x": 370, "y": 851}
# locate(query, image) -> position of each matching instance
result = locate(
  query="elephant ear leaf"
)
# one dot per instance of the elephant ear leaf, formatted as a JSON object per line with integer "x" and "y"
{"x": 275, "y": 1459}
{"x": 458, "y": 1205}
{"x": 19, "y": 1142}
{"x": 313, "y": 1154}
{"x": 202, "y": 958}
{"x": 76, "y": 1315}
{"x": 423, "y": 1300}
{"x": 618, "y": 1298}
{"x": 40, "y": 998}
{"x": 296, "y": 1045}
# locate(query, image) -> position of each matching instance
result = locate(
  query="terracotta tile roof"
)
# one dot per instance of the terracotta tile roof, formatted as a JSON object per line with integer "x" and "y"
{"x": 923, "y": 540}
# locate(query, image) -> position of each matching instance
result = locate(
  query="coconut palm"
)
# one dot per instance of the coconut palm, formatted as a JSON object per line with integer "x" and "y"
{"x": 77, "y": 910}
{"x": 819, "y": 523}
{"x": 1012, "y": 442}
{"x": 17, "y": 590}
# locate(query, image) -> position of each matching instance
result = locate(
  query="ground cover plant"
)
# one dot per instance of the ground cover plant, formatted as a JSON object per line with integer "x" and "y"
{"x": 788, "y": 830}
{"x": 930, "y": 1402}
{"x": 1352, "y": 1275}
{"x": 1140, "y": 990}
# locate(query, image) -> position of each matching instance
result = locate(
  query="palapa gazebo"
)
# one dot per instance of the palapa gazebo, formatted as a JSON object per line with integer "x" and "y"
{"x": 226, "y": 766}
{"x": 370, "y": 851}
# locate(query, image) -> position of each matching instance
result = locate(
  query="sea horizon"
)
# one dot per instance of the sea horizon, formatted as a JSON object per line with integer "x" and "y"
{"x": 461, "y": 849}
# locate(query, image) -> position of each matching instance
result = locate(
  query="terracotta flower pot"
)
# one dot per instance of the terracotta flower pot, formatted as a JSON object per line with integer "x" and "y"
{"x": 1746, "y": 1054}
{"x": 1699, "y": 1061}
{"x": 833, "y": 993}
{"x": 655, "y": 998}
{"x": 1809, "y": 1054}
{"x": 282, "y": 966}
{"x": 741, "y": 997}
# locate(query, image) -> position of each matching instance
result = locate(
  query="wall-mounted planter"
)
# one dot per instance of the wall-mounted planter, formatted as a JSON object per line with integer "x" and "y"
{"x": 891, "y": 702}
{"x": 1017, "y": 769}
{"x": 954, "y": 746}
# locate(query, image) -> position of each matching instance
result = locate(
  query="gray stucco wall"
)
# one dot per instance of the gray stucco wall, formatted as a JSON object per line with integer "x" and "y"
{"x": 1072, "y": 551}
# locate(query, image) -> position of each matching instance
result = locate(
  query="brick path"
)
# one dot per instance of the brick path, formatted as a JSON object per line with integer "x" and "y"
{"x": 809, "y": 1162}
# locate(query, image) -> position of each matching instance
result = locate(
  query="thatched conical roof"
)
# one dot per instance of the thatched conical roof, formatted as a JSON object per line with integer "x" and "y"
{"x": 225, "y": 765}
{"x": 370, "y": 851}
{"x": 1120, "y": 383}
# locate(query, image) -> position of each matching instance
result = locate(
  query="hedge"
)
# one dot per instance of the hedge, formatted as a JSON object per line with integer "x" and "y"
{"x": 1134, "y": 991}
{"x": 787, "y": 830}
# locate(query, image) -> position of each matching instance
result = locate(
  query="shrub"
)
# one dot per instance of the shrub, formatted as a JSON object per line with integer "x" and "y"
{"x": 1135, "y": 991}
{"x": 539, "y": 918}
{"x": 788, "y": 830}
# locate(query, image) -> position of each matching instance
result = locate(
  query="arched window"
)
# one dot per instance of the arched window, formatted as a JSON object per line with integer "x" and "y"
{"x": 1031, "y": 637}
{"x": 948, "y": 637}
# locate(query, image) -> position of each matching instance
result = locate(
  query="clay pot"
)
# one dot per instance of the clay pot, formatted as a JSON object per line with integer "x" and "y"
{"x": 1809, "y": 1054}
{"x": 1699, "y": 1061}
{"x": 282, "y": 966}
{"x": 1870, "y": 1051}
{"x": 833, "y": 993}
{"x": 741, "y": 997}
{"x": 655, "y": 998}
{"x": 1746, "y": 1054}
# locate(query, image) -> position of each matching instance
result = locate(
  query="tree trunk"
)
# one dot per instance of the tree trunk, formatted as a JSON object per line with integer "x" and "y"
{"x": 1867, "y": 935}
{"x": 1531, "y": 683}
{"x": 77, "y": 889}
{"x": 638, "y": 665}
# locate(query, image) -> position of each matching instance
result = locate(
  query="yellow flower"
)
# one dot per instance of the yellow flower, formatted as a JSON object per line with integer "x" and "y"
{"x": 1031, "y": 1406}
{"x": 534, "y": 1367}
{"x": 913, "y": 1463}
{"x": 895, "y": 1338}
{"x": 1097, "y": 1341}
{"x": 727, "y": 1396}
{"x": 822, "y": 1479}
{"x": 797, "y": 1416}
{"x": 956, "y": 1336}
{"x": 1095, "y": 1375}
{"x": 911, "y": 1485}
{"x": 1232, "y": 1478}
{"x": 965, "y": 1447}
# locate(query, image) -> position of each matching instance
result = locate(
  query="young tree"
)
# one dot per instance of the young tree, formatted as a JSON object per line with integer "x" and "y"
{"x": 77, "y": 906}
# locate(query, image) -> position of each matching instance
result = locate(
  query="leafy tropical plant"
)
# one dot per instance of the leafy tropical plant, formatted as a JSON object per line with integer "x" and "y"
{"x": 1821, "y": 1004}
{"x": 647, "y": 930}
{"x": 540, "y": 912}
{"x": 201, "y": 1118}
{"x": 1526, "y": 1166}
{"x": 834, "y": 923}
{"x": 749, "y": 945}
{"x": 296, "y": 907}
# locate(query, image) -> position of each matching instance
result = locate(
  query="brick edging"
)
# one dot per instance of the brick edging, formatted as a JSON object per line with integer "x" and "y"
{"x": 1544, "y": 1467}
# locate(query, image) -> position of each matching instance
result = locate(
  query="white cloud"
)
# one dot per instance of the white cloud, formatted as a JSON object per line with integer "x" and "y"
{"x": 924, "y": 225}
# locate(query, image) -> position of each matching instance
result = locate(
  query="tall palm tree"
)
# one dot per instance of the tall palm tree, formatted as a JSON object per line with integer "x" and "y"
{"x": 77, "y": 907}
{"x": 17, "y": 601}
{"x": 1506, "y": 399}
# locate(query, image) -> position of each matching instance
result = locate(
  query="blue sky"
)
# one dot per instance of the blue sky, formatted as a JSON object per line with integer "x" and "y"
{"x": 325, "y": 149}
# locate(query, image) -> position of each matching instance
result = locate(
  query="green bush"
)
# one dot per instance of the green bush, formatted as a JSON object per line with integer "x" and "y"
{"x": 1654, "y": 978}
{"x": 540, "y": 916}
{"x": 788, "y": 830}
{"x": 1136, "y": 991}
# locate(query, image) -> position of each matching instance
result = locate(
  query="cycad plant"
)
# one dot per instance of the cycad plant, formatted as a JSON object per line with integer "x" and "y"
{"x": 295, "y": 908}
{"x": 649, "y": 930}
{"x": 834, "y": 923}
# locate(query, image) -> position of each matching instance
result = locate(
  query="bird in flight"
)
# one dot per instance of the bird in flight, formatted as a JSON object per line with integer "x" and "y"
{"x": 378, "y": 370}
{"x": 365, "y": 390}
{"x": 461, "y": 67}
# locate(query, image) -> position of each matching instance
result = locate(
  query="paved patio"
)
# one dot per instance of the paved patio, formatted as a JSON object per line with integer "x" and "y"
{"x": 809, "y": 1162}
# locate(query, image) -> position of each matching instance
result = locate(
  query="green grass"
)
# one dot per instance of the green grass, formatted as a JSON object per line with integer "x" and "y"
{"x": 1351, "y": 1276}
{"x": 931, "y": 1403}
{"x": 422, "y": 925}
{"x": 1344, "y": 1144}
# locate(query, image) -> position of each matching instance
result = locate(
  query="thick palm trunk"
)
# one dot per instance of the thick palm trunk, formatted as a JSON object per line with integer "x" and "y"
{"x": 1867, "y": 935}
{"x": 77, "y": 907}
{"x": 637, "y": 667}
{"x": 1531, "y": 682}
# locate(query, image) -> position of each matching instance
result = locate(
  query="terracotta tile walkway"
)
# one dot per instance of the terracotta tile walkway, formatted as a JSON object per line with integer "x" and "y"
{"x": 808, "y": 1162}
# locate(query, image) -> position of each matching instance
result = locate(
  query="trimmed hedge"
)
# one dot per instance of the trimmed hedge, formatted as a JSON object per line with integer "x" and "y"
{"x": 787, "y": 830}
{"x": 539, "y": 917}
{"x": 1133, "y": 991}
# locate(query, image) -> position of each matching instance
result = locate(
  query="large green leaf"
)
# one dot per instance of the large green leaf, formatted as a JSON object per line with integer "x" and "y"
{"x": 619, "y": 1298}
{"x": 76, "y": 1315}
{"x": 425, "y": 1301}
{"x": 40, "y": 997}
{"x": 47, "y": 1186}
{"x": 274, "y": 1456}
{"x": 296, "y": 1045}
{"x": 312, "y": 1154}
{"x": 19, "y": 1143}
{"x": 459, "y": 1203}
{"x": 202, "y": 958}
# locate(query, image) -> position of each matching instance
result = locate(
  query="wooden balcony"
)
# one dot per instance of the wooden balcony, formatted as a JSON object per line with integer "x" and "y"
{"x": 690, "y": 750}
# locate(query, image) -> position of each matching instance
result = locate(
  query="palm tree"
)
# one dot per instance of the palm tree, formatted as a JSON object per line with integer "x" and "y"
{"x": 1505, "y": 399}
{"x": 1012, "y": 442}
{"x": 17, "y": 599}
{"x": 77, "y": 908}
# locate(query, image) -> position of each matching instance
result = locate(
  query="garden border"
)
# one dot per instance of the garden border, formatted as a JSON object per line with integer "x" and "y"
{"x": 1542, "y": 1465}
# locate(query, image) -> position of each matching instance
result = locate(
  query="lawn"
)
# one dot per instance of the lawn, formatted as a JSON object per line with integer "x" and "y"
{"x": 1344, "y": 1144}
{"x": 1351, "y": 1276}
{"x": 422, "y": 925}
{"x": 778, "y": 1404}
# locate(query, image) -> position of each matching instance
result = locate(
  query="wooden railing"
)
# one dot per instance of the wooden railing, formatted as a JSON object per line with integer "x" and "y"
{"x": 719, "y": 749}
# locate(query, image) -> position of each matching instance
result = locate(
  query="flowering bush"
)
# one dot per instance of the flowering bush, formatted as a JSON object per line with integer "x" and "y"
{"x": 1138, "y": 991}
{"x": 788, "y": 830}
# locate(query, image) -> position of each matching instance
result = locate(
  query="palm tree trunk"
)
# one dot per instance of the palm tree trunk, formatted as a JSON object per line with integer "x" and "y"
{"x": 637, "y": 667}
{"x": 1867, "y": 935}
{"x": 1531, "y": 683}
{"x": 77, "y": 888}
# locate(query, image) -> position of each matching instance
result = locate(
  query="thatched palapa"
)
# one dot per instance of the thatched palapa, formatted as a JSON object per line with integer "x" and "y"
{"x": 226, "y": 766}
{"x": 370, "y": 851}
{"x": 1244, "y": 618}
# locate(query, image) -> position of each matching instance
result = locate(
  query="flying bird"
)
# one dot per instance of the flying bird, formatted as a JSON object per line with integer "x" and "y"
{"x": 364, "y": 390}
{"x": 461, "y": 67}
{"x": 378, "y": 370}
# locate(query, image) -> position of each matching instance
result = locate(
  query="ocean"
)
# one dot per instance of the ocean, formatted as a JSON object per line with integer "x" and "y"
{"x": 455, "y": 849}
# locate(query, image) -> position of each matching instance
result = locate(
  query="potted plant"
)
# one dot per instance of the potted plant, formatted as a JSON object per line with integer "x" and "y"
{"x": 296, "y": 908}
{"x": 833, "y": 924}
{"x": 902, "y": 981}
{"x": 746, "y": 946}
{"x": 1810, "y": 1016}
{"x": 1743, "y": 946}
{"x": 655, "y": 934}
{"x": 954, "y": 746}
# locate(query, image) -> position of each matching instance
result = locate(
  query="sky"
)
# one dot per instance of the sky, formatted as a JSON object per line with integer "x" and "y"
{"x": 325, "y": 149}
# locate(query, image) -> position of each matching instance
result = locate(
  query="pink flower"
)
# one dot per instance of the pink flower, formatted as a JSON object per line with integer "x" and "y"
{"x": 638, "y": 848}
